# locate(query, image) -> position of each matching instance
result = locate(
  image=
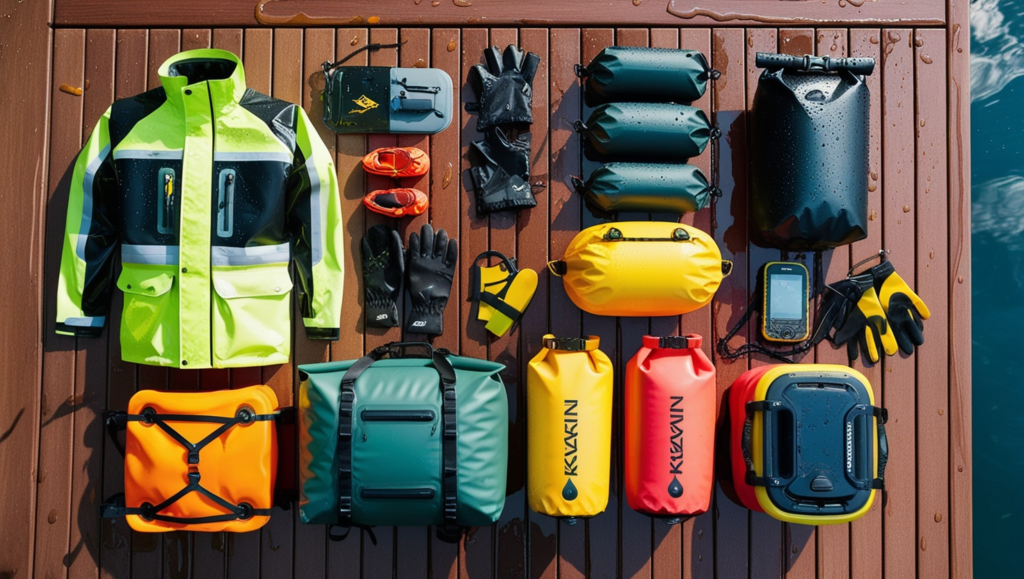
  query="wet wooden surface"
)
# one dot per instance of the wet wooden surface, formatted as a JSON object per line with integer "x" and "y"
{"x": 56, "y": 466}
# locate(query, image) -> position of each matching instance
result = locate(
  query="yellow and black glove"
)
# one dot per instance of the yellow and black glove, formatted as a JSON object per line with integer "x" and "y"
{"x": 904, "y": 309}
{"x": 866, "y": 327}
{"x": 502, "y": 291}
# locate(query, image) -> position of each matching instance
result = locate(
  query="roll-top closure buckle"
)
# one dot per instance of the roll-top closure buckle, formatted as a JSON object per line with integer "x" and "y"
{"x": 688, "y": 342}
{"x": 571, "y": 344}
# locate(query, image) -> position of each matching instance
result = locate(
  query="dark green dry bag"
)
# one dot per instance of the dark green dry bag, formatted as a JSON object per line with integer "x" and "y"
{"x": 645, "y": 132}
{"x": 809, "y": 164}
{"x": 419, "y": 438}
{"x": 645, "y": 187}
{"x": 641, "y": 74}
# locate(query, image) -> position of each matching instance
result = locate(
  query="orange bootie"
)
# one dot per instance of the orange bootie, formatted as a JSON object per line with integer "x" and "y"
{"x": 397, "y": 162}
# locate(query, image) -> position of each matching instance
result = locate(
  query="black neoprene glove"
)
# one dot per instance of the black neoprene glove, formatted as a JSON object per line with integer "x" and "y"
{"x": 838, "y": 300}
{"x": 431, "y": 267}
{"x": 504, "y": 87}
{"x": 501, "y": 172}
{"x": 383, "y": 271}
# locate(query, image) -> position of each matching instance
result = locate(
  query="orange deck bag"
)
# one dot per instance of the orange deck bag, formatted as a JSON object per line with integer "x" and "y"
{"x": 197, "y": 461}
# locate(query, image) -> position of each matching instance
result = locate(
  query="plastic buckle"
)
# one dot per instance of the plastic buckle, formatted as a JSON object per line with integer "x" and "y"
{"x": 674, "y": 342}
{"x": 193, "y": 457}
{"x": 566, "y": 344}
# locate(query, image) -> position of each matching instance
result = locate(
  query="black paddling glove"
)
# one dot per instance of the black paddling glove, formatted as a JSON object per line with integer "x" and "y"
{"x": 431, "y": 268}
{"x": 504, "y": 87}
{"x": 501, "y": 172}
{"x": 383, "y": 271}
{"x": 838, "y": 300}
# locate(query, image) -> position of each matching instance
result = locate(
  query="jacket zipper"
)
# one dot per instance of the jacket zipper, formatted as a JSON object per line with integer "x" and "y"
{"x": 226, "y": 203}
{"x": 165, "y": 212}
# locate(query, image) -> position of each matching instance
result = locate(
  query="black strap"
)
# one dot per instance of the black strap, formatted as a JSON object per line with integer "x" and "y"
{"x": 328, "y": 66}
{"x": 117, "y": 421}
{"x": 440, "y": 362}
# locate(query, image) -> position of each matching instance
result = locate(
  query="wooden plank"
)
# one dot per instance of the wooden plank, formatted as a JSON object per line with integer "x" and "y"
{"x": 729, "y": 222}
{"x": 635, "y": 529}
{"x": 28, "y": 46}
{"x": 446, "y": 203}
{"x": 601, "y": 543}
{"x": 833, "y": 541}
{"x": 522, "y": 13}
{"x": 242, "y": 550}
{"x": 697, "y": 556}
{"x": 90, "y": 382}
{"x": 344, "y": 557}
{"x": 412, "y": 543}
{"x": 898, "y": 236}
{"x": 509, "y": 555}
{"x": 57, "y": 401}
{"x": 766, "y": 534}
{"x": 110, "y": 549}
{"x": 960, "y": 410}
{"x": 865, "y": 549}
{"x": 667, "y": 540}
{"x": 548, "y": 557}
{"x": 932, "y": 267}
{"x": 310, "y": 557}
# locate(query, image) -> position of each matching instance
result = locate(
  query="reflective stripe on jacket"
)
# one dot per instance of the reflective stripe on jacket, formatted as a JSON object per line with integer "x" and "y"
{"x": 208, "y": 191}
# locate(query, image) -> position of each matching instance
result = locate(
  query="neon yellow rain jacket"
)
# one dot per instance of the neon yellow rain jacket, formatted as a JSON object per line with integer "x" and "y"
{"x": 209, "y": 190}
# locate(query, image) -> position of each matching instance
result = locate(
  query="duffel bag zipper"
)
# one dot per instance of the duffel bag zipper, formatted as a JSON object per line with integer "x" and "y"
{"x": 679, "y": 234}
{"x": 422, "y": 493}
{"x": 398, "y": 415}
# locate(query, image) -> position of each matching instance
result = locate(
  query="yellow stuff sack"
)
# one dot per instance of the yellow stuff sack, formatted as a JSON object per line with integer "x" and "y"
{"x": 641, "y": 268}
{"x": 197, "y": 461}
{"x": 569, "y": 428}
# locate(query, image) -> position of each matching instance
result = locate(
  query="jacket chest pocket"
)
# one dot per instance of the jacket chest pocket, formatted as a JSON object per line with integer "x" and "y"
{"x": 252, "y": 316}
{"x": 149, "y": 328}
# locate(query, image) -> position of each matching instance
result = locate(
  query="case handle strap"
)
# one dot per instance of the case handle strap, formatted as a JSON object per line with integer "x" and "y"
{"x": 768, "y": 479}
{"x": 882, "y": 416}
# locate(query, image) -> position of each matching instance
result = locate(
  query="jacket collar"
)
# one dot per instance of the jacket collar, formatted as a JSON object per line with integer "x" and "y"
{"x": 223, "y": 72}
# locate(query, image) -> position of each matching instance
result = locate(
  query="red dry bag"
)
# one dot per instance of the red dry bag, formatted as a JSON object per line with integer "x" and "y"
{"x": 670, "y": 427}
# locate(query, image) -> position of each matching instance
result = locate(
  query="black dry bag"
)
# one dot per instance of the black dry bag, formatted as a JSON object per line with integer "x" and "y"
{"x": 809, "y": 187}
{"x": 644, "y": 187}
{"x": 645, "y": 132}
{"x": 641, "y": 74}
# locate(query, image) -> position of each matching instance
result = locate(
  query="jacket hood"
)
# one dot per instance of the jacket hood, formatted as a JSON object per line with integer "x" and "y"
{"x": 221, "y": 69}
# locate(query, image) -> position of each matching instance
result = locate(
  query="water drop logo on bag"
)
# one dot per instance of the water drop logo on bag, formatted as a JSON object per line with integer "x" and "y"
{"x": 675, "y": 420}
{"x": 571, "y": 420}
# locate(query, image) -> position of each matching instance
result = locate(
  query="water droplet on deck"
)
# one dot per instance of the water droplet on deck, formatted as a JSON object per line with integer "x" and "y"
{"x": 873, "y": 39}
{"x": 938, "y": 517}
{"x": 52, "y": 517}
{"x": 906, "y": 208}
{"x": 873, "y": 215}
{"x": 420, "y": 63}
{"x": 452, "y": 45}
{"x": 355, "y": 40}
{"x": 373, "y": 20}
{"x": 924, "y": 544}
{"x": 462, "y": 3}
{"x": 675, "y": 490}
{"x": 447, "y": 178}
{"x": 636, "y": 2}
{"x": 569, "y": 491}
{"x": 960, "y": 280}
{"x": 925, "y": 58}
{"x": 919, "y": 41}
{"x": 435, "y": 3}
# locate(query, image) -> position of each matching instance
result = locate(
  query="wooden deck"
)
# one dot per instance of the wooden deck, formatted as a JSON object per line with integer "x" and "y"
{"x": 55, "y": 465}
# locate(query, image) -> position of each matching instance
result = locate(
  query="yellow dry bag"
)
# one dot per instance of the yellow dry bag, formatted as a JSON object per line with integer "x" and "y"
{"x": 569, "y": 433}
{"x": 641, "y": 268}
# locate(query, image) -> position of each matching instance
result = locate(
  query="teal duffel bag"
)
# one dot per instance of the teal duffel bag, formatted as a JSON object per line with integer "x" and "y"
{"x": 419, "y": 438}
{"x": 645, "y": 187}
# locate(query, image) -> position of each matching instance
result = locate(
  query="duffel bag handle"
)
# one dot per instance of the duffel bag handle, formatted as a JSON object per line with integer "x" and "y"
{"x": 882, "y": 416}
{"x": 399, "y": 350}
{"x": 768, "y": 478}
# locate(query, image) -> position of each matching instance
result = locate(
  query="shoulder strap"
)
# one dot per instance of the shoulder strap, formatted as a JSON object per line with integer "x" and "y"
{"x": 328, "y": 66}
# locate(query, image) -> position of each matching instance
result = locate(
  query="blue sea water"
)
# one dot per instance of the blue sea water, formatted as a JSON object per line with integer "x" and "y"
{"x": 997, "y": 198}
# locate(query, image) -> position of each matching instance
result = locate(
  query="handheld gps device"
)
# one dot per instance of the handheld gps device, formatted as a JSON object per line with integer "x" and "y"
{"x": 785, "y": 315}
